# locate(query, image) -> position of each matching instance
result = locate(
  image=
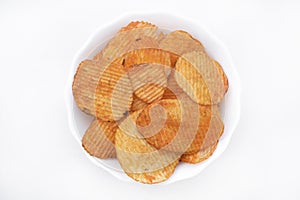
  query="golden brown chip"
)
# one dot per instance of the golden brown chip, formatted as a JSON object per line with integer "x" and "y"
{"x": 137, "y": 104}
{"x": 98, "y": 139}
{"x": 147, "y": 72}
{"x": 178, "y": 43}
{"x": 199, "y": 156}
{"x": 221, "y": 71}
{"x": 148, "y": 81}
{"x": 113, "y": 95}
{"x": 157, "y": 176}
{"x": 85, "y": 83}
{"x": 140, "y": 160}
{"x": 147, "y": 56}
{"x": 180, "y": 125}
{"x": 136, "y": 35}
{"x": 197, "y": 74}
{"x": 137, "y": 24}
{"x": 167, "y": 124}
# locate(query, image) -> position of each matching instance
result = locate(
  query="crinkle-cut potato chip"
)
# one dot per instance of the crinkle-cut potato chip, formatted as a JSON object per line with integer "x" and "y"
{"x": 113, "y": 95}
{"x": 98, "y": 139}
{"x": 180, "y": 125}
{"x": 137, "y": 24}
{"x": 173, "y": 90}
{"x": 210, "y": 129}
{"x": 225, "y": 80}
{"x": 199, "y": 156}
{"x": 172, "y": 124}
{"x": 147, "y": 56}
{"x": 199, "y": 77}
{"x": 137, "y": 104}
{"x": 148, "y": 81}
{"x": 85, "y": 83}
{"x": 178, "y": 43}
{"x": 136, "y": 35}
{"x": 140, "y": 160}
{"x": 157, "y": 176}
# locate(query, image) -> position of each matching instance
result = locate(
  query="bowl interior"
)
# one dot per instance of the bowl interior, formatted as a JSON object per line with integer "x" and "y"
{"x": 229, "y": 107}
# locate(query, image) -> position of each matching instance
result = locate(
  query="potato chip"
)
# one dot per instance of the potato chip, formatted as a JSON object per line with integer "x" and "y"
{"x": 148, "y": 81}
{"x": 113, "y": 95}
{"x": 180, "y": 125}
{"x": 137, "y": 24}
{"x": 147, "y": 73}
{"x": 179, "y": 43}
{"x": 159, "y": 37}
{"x": 225, "y": 80}
{"x": 155, "y": 176}
{"x": 136, "y": 35}
{"x": 85, "y": 83}
{"x": 167, "y": 124}
{"x": 210, "y": 129}
{"x": 140, "y": 160}
{"x": 137, "y": 104}
{"x": 98, "y": 139}
{"x": 199, "y": 156}
{"x": 199, "y": 77}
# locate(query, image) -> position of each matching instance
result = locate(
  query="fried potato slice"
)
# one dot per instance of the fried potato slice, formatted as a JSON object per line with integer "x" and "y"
{"x": 200, "y": 156}
{"x": 137, "y": 104}
{"x": 221, "y": 71}
{"x": 113, "y": 95}
{"x": 167, "y": 124}
{"x": 98, "y": 139}
{"x": 147, "y": 72}
{"x": 85, "y": 83}
{"x": 200, "y": 78}
{"x": 135, "y": 35}
{"x": 180, "y": 125}
{"x": 148, "y": 81}
{"x": 157, "y": 176}
{"x": 139, "y": 160}
{"x": 178, "y": 43}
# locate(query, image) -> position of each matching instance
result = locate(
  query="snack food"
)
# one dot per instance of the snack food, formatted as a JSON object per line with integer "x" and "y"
{"x": 154, "y": 97}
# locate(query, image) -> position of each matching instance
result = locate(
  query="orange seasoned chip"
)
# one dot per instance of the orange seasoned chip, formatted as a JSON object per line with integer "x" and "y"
{"x": 167, "y": 124}
{"x": 147, "y": 72}
{"x": 136, "y": 35}
{"x": 85, "y": 83}
{"x": 147, "y": 56}
{"x": 113, "y": 95}
{"x": 139, "y": 160}
{"x": 137, "y": 104}
{"x": 179, "y": 43}
{"x": 180, "y": 125}
{"x": 199, "y": 156}
{"x": 197, "y": 74}
{"x": 157, "y": 176}
{"x": 98, "y": 139}
{"x": 148, "y": 81}
{"x": 137, "y": 24}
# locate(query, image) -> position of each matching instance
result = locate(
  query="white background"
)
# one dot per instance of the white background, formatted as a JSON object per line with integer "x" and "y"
{"x": 39, "y": 158}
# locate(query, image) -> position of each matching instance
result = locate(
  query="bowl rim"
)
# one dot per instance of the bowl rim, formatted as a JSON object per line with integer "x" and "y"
{"x": 130, "y": 16}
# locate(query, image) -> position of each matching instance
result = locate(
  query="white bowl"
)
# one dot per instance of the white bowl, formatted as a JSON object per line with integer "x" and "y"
{"x": 230, "y": 108}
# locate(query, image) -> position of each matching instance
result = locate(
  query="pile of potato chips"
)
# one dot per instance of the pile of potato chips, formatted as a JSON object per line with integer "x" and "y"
{"x": 155, "y": 100}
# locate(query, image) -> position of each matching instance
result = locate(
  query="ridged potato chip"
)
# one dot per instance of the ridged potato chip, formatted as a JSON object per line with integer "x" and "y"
{"x": 148, "y": 81}
{"x": 85, "y": 83}
{"x": 135, "y": 35}
{"x": 199, "y": 156}
{"x": 98, "y": 139}
{"x": 178, "y": 43}
{"x": 113, "y": 95}
{"x": 147, "y": 72}
{"x": 137, "y": 104}
{"x": 140, "y": 160}
{"x": 200, "y": 78}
